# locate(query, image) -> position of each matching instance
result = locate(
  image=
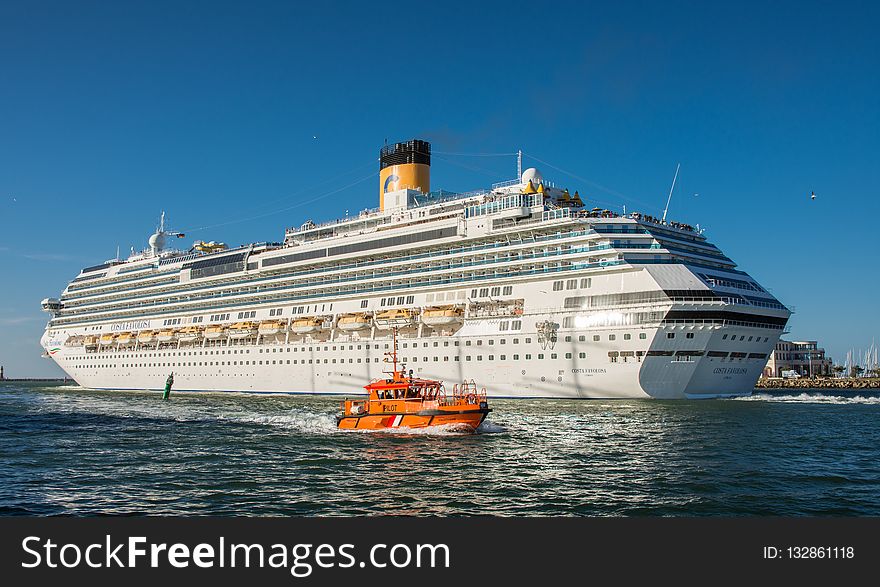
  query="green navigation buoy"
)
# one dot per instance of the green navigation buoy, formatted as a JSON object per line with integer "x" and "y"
{"x": 168, "y": 383}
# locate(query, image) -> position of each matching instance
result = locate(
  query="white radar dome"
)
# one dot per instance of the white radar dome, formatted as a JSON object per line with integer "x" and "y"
{"x": 533, "y": 175}
{"x": 157, "y": 241}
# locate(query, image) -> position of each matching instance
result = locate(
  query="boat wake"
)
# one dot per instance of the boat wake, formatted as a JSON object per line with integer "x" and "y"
{"x": 488, "y": 427}
{"x": 298, "y": 420}
{"x": 811, "y": 398}
{"x": 439, "y": 430}
{"x": 293, "y": 419}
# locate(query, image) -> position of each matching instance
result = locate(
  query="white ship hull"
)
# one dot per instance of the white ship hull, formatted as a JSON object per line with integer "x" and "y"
{"x": 516, "y": 364}
{"x": 654, "y": 377}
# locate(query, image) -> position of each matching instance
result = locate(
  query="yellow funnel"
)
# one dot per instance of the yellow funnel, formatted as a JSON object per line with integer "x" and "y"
{"x": 404, "y": 166}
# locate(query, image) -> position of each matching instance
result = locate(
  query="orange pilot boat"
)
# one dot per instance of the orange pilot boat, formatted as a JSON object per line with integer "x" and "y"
{"x": 404, "y": 401}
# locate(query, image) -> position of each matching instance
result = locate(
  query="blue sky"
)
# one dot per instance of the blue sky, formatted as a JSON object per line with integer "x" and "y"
{"x": 248, "y": 117}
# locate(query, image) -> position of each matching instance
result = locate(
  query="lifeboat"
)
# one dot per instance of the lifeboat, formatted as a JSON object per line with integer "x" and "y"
{"x": 125, "y": 338}
{"x": 242, "y": 330}
{"x": 270, "y": 327}
{"x": 90, "y": 341}
{"x": 404, "y": 401}
{"x": 442, "y": 316}
{"x": 215, "y": 331}
{"x": 145, "y": 336}
{"x": 74, "y": 341}
{"x": 189, "y": 334}
{"x": 352, "y": 322}
{"x": 306, "y": 325}
{"x": 211, "y": 247}
{"x": 394, "y": 318}
{"x": 107, "y": 339}
{"x": 166, "y": 335}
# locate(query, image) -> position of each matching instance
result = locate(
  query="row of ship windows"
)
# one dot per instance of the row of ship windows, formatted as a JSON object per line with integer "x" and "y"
{"x": 332, "y": 348}
{"x": 627, "y": 336}
{"x": 570, "y": 284}
{"x": 446, "y": 343}
{"x": 172, "y": 287}
{"x": 253, "y": 314}
{"x": 742, "y": 337}
{"x": 243, "y": 289}
{"x": 716, "y": 281}
{"x": 392, "y": 301}
{"x": 314, "y": 348}
{"x": 484, "y": 292}
{"x": 585, "y": 283}
{"x": 613, "y": 357}
{"x": 390, "y": 259}
{"x": 414, "y": 359}
{"x": 422, "y": 281}
{"x": 351, "y": 347}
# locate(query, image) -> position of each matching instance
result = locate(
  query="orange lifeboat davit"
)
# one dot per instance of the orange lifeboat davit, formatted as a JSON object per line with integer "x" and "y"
{"x": 189, "y": 334}
{"x": 353, "y": 322}
{"x": 307, "y": 325}
{"x": 404, "y": 401}
{"x": 241, "y": 330}
{"x": 442, "y": 316}
{"x": 396, "y": 318}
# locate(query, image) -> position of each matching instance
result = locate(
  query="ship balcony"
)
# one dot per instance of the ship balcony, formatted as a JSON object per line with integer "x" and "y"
{"x": 51, "y": 305}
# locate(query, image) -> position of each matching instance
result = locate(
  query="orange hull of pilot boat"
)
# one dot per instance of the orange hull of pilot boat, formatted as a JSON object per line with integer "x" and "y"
{"x": 402, "y": 401}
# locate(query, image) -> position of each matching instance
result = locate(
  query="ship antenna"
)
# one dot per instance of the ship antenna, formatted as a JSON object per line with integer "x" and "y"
{"x": 394, "y": 346}
{"x": 393, "y": 353}
{"x": 519, "y": 164}
{"x": 669, "y": 199}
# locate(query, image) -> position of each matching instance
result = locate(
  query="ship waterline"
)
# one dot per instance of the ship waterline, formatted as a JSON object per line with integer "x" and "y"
{"x": 518, "y": 286}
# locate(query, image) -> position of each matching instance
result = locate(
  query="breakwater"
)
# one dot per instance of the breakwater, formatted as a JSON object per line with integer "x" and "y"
{"x": 820, "y": 383}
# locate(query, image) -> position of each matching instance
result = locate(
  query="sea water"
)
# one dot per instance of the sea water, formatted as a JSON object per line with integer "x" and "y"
{"x": 72, "y": 451}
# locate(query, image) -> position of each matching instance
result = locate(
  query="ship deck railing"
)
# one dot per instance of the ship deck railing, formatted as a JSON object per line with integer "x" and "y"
{"x": 425, "y": 283}
{"x": 467, "y": 391}
{"x": 428, "y": 200}
{"x": 381, "y": 221}
{"x": 202, "y": 307}
{"x": 376, "y": 275}
{"x": 432, "y": 254}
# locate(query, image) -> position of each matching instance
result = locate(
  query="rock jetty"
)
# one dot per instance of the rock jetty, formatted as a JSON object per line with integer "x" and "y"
{"x": 819, "y": 383}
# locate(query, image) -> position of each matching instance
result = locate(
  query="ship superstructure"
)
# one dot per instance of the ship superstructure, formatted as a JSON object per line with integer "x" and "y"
{"x": 521, "y": 286}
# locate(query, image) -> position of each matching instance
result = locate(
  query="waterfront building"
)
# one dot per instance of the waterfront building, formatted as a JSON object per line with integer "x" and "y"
{"x": 803, "y": 357}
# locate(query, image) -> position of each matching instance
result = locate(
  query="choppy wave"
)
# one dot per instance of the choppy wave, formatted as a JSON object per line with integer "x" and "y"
{"x": 811, "y": 398}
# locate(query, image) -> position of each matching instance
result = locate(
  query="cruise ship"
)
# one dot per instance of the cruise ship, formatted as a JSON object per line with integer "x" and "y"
{"x": 522, "y": 286}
